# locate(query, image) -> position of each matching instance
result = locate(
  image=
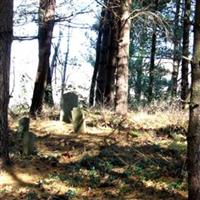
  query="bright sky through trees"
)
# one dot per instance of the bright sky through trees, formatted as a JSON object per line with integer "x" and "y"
{"x": 25, "y": 53}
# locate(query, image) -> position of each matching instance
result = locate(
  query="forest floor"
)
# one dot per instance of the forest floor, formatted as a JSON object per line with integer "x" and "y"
{"x": 140, "y": 157}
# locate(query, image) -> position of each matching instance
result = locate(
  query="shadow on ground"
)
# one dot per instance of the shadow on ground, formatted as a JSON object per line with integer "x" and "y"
{"x": 93, "y": 166}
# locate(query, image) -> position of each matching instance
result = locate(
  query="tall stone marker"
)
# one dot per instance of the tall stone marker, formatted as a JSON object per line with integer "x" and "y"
{"x": 68, "y": 102}
{"x": 23, "y": 126}
{"x": 28, "y": 138}
{"x": 78, "y": 120}
{"x": 29, "y": 143}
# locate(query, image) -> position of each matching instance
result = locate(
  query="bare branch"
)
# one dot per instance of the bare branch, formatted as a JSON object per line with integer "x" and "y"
{"x": 25, "y": 38}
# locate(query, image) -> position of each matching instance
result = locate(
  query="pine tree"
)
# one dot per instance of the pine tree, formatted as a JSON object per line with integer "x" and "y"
{"x": 176, "y": 41}
{"x": 152, "y": 59}
{"x": 46, "y": 24}
{"x": 6, "y": 33}
{"x": 185, "y": 51}
{"x": 193, "y": 137}
{"x": 121, "y": 98}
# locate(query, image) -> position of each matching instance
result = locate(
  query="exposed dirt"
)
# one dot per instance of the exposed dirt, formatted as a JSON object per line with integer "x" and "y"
{"x": 133, "y": 158}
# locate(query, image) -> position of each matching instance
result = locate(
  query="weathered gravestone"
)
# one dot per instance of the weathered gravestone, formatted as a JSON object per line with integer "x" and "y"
{"x": 69, "y": 101}
{"x": 28, "y": 138}
{"x": 23, "y": 126}
{"x": 78, "y": 120}
{"x": 29, "y": 143}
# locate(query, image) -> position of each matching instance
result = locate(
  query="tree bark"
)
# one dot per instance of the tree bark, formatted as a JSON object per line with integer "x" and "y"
{"x": 103, "y": 81}
{"x": 185, "y": 51}
{"x": 96, "y": 69}
{"x": 96, "y": 66}
{"x": 48, "y": 95}
{"x": 46, "y": 24}
{"x": 193, "y": 138}
{"x": 152, "y": 60}
{"x": 176, "y": 59}
{"x": 112, "y": 63}
{"x": 121, "y": 97}
{"x": 152, "y": 67}
{"x": 103, "y": 58}
{"x": 6, "y": 33}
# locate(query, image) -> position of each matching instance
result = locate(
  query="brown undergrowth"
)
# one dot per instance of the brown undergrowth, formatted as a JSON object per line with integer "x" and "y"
{"x": 139, "y": 157}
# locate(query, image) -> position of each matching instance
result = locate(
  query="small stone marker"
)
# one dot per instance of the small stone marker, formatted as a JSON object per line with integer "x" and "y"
{"x": 68, "y": 102}
{"x": 28, "y": 143}
{"x": 78, "y": 120}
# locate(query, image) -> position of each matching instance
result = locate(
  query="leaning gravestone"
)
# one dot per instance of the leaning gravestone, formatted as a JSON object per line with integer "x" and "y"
{"x": 78, "y": 120}
{"x": 68, "y": 102}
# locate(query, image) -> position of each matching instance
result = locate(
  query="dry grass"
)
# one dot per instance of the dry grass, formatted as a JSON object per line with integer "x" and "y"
{"x": 140, "y": 157}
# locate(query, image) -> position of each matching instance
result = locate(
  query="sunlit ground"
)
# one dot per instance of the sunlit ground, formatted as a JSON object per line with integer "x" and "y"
{"x": 140, "y": 157}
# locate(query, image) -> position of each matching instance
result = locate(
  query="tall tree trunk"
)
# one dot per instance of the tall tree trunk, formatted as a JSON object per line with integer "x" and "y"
{"x": 95, "y": 72}
{"x": 185, "y": 51}
{"x": 96, "y": 66}
{"x": 121, "y": 97}
{"x": 46, "y": 24}
{"x": 48, "y": 94}
{"x": 6, "y": 33}
{"x": 104, "y": 58}
{"x": 176, "y": 59}
{"x": 152, "y": 60}
{"x": 193, "y": 138}
{"x": 112, "y": 63}
{"x": 152, "y": 67}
